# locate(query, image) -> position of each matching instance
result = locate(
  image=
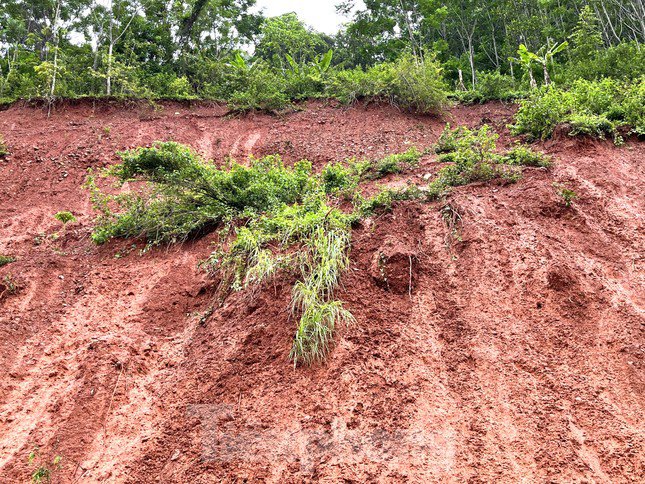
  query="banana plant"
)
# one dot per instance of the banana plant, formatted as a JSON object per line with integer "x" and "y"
{"x": 239, "y": 63}
{"x": 295, "y": 67}
{"x": 319, "y": 65}
{"x": 544, "y": 56}
{"x": 525, "y": 59}
{"x": 323, "y": 62}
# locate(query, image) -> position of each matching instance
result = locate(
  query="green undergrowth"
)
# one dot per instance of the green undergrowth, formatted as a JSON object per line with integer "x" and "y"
{"x": 492, "y": 86}
{"x": 277, "y": 219}
{"x": 473, "y": 157}
{"x": 4, "y": 150}
{"x": 409, "y": 83}
{"x": 599, "y": 109}
{"x": 343, "y": 178}
{"x": 6, "y": 259}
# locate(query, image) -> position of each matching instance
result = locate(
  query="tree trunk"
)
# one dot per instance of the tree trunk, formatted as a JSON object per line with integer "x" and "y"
{"x": 416, "y": 55}
{"x": 461, "y": 86}
{"x": 113, "y": 41}
{"x": 108, "y": 76}
{"x": 186, "y": 28}
{"x": 56, "y": 40}
{"x": 471, "y": 58}
{"x": 531, "y": 78}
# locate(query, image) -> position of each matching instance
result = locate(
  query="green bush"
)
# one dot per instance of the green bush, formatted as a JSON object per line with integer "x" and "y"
{"x": 473, "y": 156}
{"x": 597, "y": 97}
{"x": 521, "y": 155}
{"x": 633, "y": 106}
{"x": 305, "y": 79}
{"x": 244, "y": 85}
{"x": 492, "y": 86}
{"x": 186, "y": 194}
{"x": 419, "y": 85}
{"x": 348, "y": 86}
{"x": 212, "y": 79}
{"x": 593, "y": 125}
{"x": 625, "y": 61}
{"x": 258, "y": 88}
{"x": 452, "y": 139}
{"x": 169, "y": 86}
{"x": 383, "y": 200}
{"x": 395, "y": 163}
{"x": 408, "y": 83}
{"x": 541, "y": 112}
{"x": 461, "y": 143}
{"x": 596, "y": 108}
{"x": 338, "y": 177}
{"x": 346, "y": 176}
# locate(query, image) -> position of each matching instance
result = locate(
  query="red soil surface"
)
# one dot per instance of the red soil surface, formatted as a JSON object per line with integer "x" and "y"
{"x": 512, "y": 351}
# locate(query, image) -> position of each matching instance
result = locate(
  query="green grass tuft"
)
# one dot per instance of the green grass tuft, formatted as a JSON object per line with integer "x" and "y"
{"x": 279, "y": 219}
{"x": 6, "y": 259}
{"x": 65, "y": 217}
{"x": 473, "y": 157}
{"x": 4, "y": 149}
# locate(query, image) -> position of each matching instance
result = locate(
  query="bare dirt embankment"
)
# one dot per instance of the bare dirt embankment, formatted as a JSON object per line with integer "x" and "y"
{"x": 514, "y": 352}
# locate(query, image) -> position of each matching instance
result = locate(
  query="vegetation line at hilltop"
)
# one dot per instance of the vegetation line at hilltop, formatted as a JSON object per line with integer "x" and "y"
{"x": 576, "y": 63}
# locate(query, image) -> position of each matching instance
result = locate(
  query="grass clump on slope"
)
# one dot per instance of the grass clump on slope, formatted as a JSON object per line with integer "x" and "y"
{"x": 473, "y": 157}
{"x": 6, "y": 259}
{"x": 280, "y": 219}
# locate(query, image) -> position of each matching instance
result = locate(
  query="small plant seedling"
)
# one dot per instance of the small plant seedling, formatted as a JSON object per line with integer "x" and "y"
{"x": 566, "y": 194}
{"x": 8, "y": 286}
{"x": 4, "y": 150}
{"x": 107, "y": 130}
{"x": 44, "y": 470}
{"x": 6, "y": 259}
{"x": 65, "y": 217}
{"x": 124, "y": 252}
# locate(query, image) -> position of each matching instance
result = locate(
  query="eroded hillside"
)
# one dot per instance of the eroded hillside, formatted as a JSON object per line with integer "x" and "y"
{"x": 508, "y": 344}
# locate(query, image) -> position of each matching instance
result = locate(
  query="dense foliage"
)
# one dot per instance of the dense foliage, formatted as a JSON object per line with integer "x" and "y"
{"x": 413, "y": 53}
{"x": 595, "y": 108}
{"x": 279, "y": 219}
{"x": 473, "y": 157}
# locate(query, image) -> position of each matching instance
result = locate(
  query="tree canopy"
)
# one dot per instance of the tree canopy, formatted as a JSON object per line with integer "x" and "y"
{"x": 168, "y": 48}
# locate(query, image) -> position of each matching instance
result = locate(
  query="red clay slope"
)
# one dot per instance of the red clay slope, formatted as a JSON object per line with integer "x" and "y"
{"x": 515, "y": 354}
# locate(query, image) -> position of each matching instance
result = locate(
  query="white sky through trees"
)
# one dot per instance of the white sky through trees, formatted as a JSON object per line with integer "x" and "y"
{"x": 319, "y": 14}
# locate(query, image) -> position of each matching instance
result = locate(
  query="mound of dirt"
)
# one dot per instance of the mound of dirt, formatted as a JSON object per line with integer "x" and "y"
{"x": 507, "y": 347}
